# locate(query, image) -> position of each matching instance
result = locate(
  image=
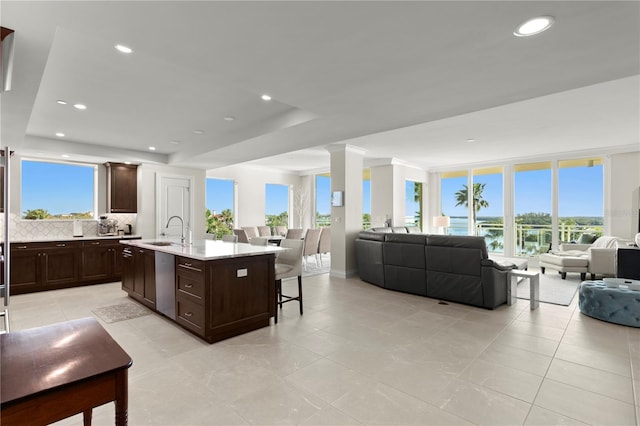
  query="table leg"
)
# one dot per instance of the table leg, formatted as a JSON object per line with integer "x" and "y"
{"x": 86, "y": 417}
{"x": 534, "y": 291}
{"x": 121, "y": 400}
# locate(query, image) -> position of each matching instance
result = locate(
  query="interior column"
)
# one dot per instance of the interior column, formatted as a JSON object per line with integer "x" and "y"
{"x": 346, "y": 219}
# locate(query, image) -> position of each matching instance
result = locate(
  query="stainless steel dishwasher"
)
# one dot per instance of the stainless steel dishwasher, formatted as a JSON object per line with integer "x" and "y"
{"x": 166, "y": 284}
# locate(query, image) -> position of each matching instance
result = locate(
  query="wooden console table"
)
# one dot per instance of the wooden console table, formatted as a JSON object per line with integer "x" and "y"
{"x": 56, "y": 371}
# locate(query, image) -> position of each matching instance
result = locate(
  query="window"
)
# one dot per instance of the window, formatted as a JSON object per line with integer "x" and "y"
{"x": 366, "y": 199}
{"x": 219, "y": 207}
{"x": 277, "y": 205}
{"x": 488, "y": 205}
{"x": 413, "y": 203}
{"x": 58, "y": 190}
{"x": 580, "y": 198}
{"x": 454, "y": 201}
{"x": 532, "y": 207}
{"x": 323, "y": 200}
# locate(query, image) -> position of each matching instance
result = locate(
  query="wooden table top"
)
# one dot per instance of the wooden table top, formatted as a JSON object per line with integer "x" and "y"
{"x": 44, "y": 358}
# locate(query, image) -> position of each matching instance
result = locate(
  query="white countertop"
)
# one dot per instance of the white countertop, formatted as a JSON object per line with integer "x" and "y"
{"x": 204, "y": 249}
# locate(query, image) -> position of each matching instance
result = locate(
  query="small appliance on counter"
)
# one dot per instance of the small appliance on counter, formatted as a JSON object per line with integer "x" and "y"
{"x": 107, "y": 226}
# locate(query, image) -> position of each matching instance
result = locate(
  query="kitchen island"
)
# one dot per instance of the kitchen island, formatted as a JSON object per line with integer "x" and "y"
{"x": 214, "y": 289}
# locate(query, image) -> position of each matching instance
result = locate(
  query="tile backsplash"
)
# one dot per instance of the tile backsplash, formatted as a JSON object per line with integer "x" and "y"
{"x": 25, "y": 230}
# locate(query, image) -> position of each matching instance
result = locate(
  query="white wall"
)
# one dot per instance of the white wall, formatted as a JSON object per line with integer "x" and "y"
{"x": 250, "y": 184}
{"x": 622, "y": 201}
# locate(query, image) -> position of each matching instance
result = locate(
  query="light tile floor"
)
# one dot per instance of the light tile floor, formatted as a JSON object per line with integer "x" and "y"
{"x": 364, "y": 355}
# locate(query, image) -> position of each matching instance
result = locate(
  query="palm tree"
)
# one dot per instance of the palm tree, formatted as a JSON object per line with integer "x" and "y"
{"x": 417, "y": 197}
{"x": 462, "y": 198}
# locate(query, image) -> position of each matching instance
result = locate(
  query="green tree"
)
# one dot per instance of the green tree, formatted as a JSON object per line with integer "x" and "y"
{"x": 281, "y": 219}
{"x": 36, "y": 214}
{"x": 417, "y": 197}
{"x": 462, "y": 198}
{"x": 219, "y": 224}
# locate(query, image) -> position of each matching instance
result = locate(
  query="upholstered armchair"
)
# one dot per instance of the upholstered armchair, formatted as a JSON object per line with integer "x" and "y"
{"x": 601, "y": 255}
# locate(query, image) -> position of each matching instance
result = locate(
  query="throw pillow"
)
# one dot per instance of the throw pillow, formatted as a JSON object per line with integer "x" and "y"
{"x": 586, "y": 239}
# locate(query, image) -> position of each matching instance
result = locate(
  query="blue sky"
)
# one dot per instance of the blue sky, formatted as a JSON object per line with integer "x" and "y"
{"x": 56, "y": 187}
{"x": 578, "y": 188}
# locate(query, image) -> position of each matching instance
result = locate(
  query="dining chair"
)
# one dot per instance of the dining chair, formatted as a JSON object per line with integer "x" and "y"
{"x": 288, "y": 264}
{"x": 251, "y": 231}
{"x": 259, "y": 241}
{"x": 311, "y": 241}
{"x": 264, "y": 231}
{"x": 230, "y": 238}
{"x": 281, "y": 230}
{"x": 242, "y": 235}
{"x": 324, "y": 246}
{"x": 294, "y": 234}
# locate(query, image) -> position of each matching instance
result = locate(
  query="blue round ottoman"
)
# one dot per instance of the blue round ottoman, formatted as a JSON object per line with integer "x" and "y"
{"x": 617, "y": 305}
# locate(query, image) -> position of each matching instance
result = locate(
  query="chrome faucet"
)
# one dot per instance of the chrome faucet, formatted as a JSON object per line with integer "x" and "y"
{"x": 181, "y": 227}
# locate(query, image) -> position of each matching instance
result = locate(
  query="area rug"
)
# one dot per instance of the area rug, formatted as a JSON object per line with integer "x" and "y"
{"x": 313, "y": 268}
{"x": 553, "y": 289}
{"x": 121, "y": 312}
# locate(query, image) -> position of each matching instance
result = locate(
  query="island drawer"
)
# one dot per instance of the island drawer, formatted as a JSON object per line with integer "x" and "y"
{"x": 190, "y": 284}
{"x": 187, "y": 264}
{"x": 190, "y": 314}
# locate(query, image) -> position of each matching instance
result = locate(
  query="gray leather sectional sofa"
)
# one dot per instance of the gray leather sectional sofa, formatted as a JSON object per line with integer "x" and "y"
{"x": 446, "y": 267}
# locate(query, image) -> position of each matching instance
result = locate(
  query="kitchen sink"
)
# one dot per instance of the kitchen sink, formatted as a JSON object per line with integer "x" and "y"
{"x": 163, "y": 243}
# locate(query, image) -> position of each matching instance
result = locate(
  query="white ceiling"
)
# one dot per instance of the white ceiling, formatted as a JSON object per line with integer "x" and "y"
{"x": 405, "y": 80}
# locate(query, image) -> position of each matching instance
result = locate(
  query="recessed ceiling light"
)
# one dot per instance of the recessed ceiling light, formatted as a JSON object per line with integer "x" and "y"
{"x": 471, "y": 140}
{"x": 266, "y": 97}
{"x": 152, "y": 148}
{"x": 60, "y": 135}
{"x": 124, "y": 49}
{"x": 198, "y": 132}
{"x": 534, "y": 26}
{"x": 80, "y": 106}
{"x": 127, "y": 162}
{"x": 229, "y": 118}
{"x": 175, "y": 142}
{"x": 61, "y": 102}
{"x": 65, "y": 156}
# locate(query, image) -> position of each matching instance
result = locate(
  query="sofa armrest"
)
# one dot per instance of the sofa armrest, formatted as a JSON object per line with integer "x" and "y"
{"x": 568, "y": 247}
{"x": 498, "y": 265}
{"x": 602, "y": 261}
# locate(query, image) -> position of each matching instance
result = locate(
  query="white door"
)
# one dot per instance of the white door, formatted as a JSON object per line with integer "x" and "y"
{"x": 173, "y": 199}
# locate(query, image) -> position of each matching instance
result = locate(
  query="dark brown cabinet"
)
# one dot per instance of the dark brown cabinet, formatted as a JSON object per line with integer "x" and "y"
{"x": 44, "y": 266}
{"x": 40, "y": 266}
{"x": 139, "y": 275}
{"x": 101, "y": 260}
{"x": 122, "y": 188}
{"x": 190, "y": 293}
{"x": 217, "y": 299}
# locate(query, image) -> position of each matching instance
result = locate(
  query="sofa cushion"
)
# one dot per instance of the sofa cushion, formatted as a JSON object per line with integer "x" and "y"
{"x": 477, "y": 243}
{"x": 414, "y": 230}
{"x": 371, "y": 235}
{"x": 398, "y": 229}
{"x": 384, "y": 229}
{"x": 404, "y": 250}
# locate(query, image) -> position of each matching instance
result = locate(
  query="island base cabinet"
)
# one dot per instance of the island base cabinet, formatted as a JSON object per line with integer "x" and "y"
{"x": 241, "y": 292}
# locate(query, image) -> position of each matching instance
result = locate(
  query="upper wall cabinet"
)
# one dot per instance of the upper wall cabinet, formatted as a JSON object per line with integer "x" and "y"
{"x": 122, "y": 188}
